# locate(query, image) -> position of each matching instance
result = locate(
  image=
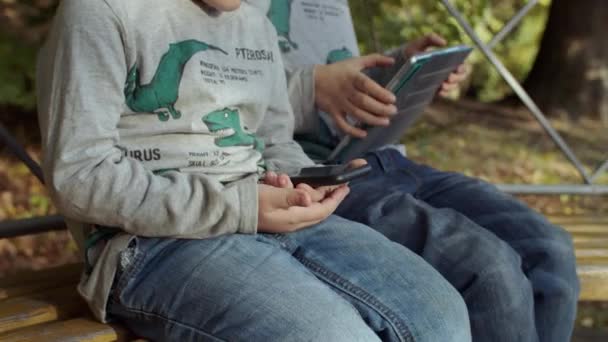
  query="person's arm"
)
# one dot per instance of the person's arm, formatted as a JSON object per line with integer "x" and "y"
{"x": 82, "y": 72}
{"x": 342, "y": 90}
{"x": 301, "y": 91}
{"x": 277, "y": 128}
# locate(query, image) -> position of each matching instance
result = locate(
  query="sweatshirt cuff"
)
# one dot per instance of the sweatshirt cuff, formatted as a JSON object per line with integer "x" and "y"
{"x": 302, "y": 97}
{"x": 247, "y": 191}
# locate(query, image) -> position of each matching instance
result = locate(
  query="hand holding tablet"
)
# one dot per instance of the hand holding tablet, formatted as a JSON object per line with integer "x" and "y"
{"x": 414, "y": 84}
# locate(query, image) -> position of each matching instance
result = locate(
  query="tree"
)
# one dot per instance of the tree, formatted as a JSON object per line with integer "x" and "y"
{"x": 23, "y": 25}
{"x": 570, "y": 74}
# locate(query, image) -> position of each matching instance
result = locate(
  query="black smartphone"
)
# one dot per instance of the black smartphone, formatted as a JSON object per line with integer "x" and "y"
{"x": 328, "y": 174}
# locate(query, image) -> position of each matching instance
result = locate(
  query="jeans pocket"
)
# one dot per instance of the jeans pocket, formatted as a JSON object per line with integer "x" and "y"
{"x": 129, "y": 263}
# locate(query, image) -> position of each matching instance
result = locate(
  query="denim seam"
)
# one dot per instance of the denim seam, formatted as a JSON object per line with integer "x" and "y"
{"x": 437, "y": 186}
{"x": 148, "y": 315}
{"x": 417, "y": 179}
{"x": 356, "y": 292}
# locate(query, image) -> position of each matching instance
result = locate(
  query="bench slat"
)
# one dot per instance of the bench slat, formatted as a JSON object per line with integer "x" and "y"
{"x": 35, "y": 281}
{"x": 586, "y": 230}
{"x": 592, "y": 253}
{"x": 78, "y": 329}
{"x": 583, "y": 242}
{"x": 587, "y": 219}
{"x": 594, "y": 282}
{"x": 42, "y": 307}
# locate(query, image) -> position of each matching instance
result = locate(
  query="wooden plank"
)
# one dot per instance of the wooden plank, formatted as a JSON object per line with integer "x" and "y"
{"x": 590, "y": 242}
{"x": 594, "y": 282}
{"x": 591, "y": 262}
{"x": 78, "y": 329}
{"x": 579, "y": 219}
{"x": 41, "y": 307}
{"x": 592, "y": 253}
{"x": 36, "y": 275}
{"x": 34, "y": 281}
{"x": 586, "y": 230}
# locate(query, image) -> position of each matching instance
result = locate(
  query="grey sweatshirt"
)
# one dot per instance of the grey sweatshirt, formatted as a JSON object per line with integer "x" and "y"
{"x": 315, "y": 32}
{"x": 156, "y": 118}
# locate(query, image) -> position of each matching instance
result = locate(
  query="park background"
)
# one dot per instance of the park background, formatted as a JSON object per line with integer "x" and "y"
{"x": 559, "y": 52}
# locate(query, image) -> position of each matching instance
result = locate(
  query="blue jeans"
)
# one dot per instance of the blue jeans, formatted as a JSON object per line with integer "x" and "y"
{"x": 335, "y": 281}
{"x": 514, "y": 269}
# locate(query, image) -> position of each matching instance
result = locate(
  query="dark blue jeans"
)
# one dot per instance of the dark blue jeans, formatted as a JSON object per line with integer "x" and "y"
{"x": 514, "y": 269}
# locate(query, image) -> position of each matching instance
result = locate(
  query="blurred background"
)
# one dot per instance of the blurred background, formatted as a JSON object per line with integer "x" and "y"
{"x": 559, "y": 53}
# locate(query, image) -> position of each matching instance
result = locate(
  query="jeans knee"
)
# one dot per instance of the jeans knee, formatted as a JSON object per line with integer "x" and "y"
{"x": 442, "y": 318}
{"x": 501, "y": 285}
{"x": 335, "y": 323}
{"x": 455, "y": 318}
{"x": 552, "y": 260}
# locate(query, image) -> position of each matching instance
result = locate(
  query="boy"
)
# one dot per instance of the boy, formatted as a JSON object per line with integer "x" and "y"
{"x": 156, "y": 118}
{"x": 513, "y": 268}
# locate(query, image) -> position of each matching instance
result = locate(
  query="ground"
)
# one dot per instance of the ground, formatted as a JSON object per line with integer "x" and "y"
{"x": 498, "y": 144}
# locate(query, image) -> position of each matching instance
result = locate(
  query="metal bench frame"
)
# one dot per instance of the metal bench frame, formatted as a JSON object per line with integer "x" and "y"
{"x": 589, "y": 184}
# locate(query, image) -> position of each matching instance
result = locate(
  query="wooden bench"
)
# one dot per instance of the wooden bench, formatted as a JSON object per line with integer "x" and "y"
{"x": 44, "y": 306}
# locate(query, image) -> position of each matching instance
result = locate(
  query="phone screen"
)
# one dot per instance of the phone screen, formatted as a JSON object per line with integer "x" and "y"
{"x": 321, "y": 171}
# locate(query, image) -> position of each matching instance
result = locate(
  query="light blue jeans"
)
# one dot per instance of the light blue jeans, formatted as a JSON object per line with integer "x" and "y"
{"x": 335, "y": 281}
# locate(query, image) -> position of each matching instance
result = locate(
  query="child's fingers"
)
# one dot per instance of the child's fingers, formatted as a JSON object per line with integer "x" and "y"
{"x": 374, "y": 60}
{"x": 368, "y": 86}
{"x": 315, "y": 195}
{"x": 434, "y": 39}
{"x": 365, "y": 116}
{"x": 284, "y": 181}
{"x": 367, "y": 103}
{"x": 270, "y": 178}
{"x": 448, "y": 87}
{"x": 320, "y": 210}
{"x": 297, "y": 198}
{"x": 356, "y": 163}
{"x": 346, "y": 127}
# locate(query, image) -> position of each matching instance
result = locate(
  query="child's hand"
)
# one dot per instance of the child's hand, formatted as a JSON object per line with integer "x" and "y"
{"x": 282, "y": 210}
{"x": 434, "y": 40}
{"x": 281, "y": 180}
{"x": 341, "y": 88}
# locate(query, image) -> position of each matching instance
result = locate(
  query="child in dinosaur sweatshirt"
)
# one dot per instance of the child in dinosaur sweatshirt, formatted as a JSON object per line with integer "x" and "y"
{"x": 157, "y": 117}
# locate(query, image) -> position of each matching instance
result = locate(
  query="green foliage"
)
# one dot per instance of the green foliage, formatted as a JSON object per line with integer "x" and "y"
{"x": 17, "y": 72}
{"x": 22, "y": 27}
{"x": 382, "y": 24}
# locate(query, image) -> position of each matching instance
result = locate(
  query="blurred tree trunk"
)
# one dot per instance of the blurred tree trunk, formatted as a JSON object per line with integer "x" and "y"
{"x": 570, "y": 74}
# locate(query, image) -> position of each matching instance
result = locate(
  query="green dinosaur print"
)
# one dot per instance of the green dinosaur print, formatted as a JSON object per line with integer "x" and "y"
{"x": 161, "y": 94}
{"x": 338, "y": 55}
{"x": 279, "y": 14}
{"x": 225, "y": 119}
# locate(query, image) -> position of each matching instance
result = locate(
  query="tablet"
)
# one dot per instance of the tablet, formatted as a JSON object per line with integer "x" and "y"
{"x": 414, "y": 84}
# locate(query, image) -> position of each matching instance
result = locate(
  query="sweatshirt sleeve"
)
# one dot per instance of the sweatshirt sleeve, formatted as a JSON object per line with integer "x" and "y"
{"x": 277, "y": 129}
{"x": 81, "y": 74}
{"x": 301, "y": 90}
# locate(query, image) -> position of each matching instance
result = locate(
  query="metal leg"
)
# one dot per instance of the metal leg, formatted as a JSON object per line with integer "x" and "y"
{"x": 20, "y": 152}
{"x": 599, "y": 171}
{"x": 517, "y": 88}
{"x": 512, "y": 23}
{"x": 573, "y": 189}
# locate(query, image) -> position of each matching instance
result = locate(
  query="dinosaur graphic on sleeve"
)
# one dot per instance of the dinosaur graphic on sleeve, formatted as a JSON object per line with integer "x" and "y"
{"x": 279, "y": 14}
{"x": 228, "y": 119}
{"x": 161, "y": 94}
{"x": 338, "y": 55}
